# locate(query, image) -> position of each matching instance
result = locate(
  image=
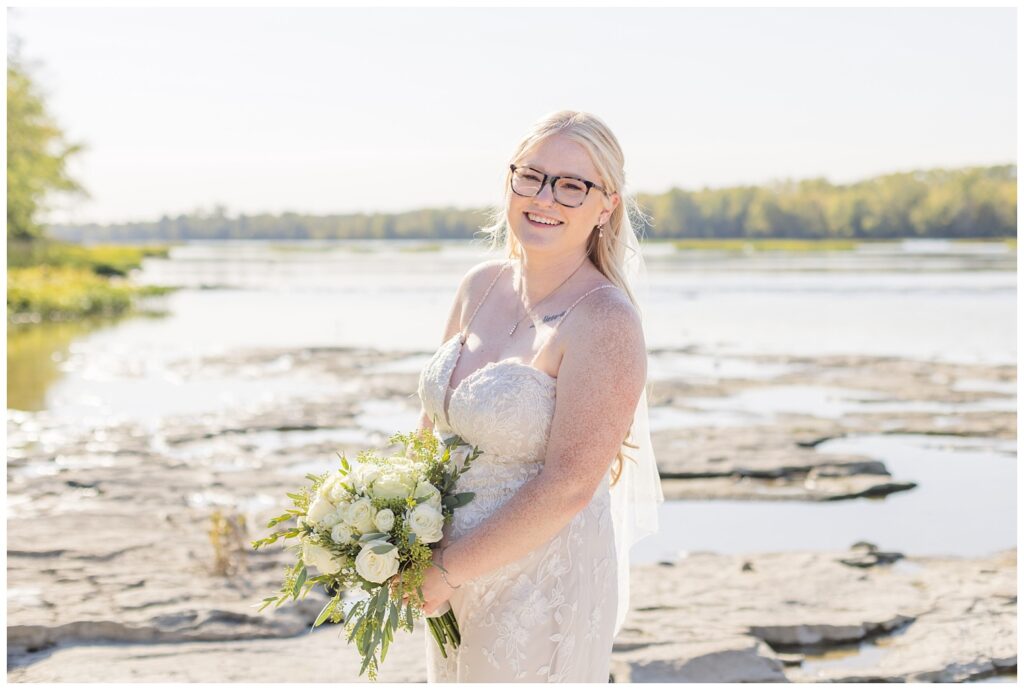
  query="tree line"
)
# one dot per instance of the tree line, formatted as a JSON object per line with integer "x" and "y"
{"x": 968, "y": 202}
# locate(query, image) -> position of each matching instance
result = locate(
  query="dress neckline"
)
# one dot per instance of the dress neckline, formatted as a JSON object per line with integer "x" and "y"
{"x": 508, "y": 361}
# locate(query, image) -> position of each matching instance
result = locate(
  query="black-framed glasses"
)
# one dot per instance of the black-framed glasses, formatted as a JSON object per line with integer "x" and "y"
{"x": 566, "y": 190}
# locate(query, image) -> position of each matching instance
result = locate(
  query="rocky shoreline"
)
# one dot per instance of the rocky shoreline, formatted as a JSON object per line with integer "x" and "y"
{"x": 112, "y": 575}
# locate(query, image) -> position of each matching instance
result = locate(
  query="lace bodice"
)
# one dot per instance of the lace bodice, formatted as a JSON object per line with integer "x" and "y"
{"x": 505, "y": 408}
{"x": 512, "y": 401}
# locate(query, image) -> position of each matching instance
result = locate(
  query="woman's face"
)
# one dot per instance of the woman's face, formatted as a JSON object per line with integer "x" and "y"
{"x": 558, "y": 155}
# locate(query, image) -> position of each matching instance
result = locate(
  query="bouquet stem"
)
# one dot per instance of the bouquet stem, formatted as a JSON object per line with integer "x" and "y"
{"x": 445, "y": 630}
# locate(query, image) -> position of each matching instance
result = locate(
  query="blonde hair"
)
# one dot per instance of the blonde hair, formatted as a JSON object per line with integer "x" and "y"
{"x": 607, "y": 252}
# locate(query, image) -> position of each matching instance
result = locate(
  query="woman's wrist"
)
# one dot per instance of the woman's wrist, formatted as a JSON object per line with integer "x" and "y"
{"x": 450, "y": 581}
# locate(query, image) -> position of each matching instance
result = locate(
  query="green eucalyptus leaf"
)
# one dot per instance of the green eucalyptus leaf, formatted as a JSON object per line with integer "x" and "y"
{"x": 327, "y": 609}
{"x": 299, "y": 581}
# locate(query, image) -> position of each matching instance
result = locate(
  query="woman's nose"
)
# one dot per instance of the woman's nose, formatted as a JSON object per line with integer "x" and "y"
{"x": 546, "y": 194}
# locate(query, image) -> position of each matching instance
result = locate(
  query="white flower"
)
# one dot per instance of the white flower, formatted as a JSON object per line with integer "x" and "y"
{"x": 377, "y": 567}
{"x": 362, "y": 476}
{"x": 392, "y": 484}
{"x": 342, "y": 506}
{"x": 320, "y": 558}
{"x": 410, "y": 470}
{"x": 384, "y": 520}
{"x": 360, "y": 515}
{"x": 338, "y": 493}
{"x": 425, "y": 488}
{"x": 327, "y": 487}
{"x": 332, "y": 518}
{"x": 426, "y": 522}
{"x": 319, "y": 509}
{"x": 341, "y": 533}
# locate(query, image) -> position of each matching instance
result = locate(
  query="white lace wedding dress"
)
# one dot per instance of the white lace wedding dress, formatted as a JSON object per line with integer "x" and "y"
{"x": 549, "y": 616}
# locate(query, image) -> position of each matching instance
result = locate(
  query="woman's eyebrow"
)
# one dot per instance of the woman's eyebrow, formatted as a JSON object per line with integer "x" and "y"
{"x": 561, "y": 174}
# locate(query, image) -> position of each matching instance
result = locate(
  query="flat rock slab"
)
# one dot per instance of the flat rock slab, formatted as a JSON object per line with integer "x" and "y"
{"x": 776, "y": 616}
{"x": 770, "y": 617}
{"x": 319, "y": 657}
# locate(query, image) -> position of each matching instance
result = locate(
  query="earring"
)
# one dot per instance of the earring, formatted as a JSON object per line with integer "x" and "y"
{"x": 600, "y": 231}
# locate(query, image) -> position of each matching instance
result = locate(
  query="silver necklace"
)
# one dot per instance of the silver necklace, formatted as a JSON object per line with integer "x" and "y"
{"x": 528, "y": 308}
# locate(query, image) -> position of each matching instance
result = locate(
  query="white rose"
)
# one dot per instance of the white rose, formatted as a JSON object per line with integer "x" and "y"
{"x": 341, "y": 533}
{"x": 332, "y": 518}
{"x": 319, "y": 509}
{"x": 385, "y": 520}
{"x": 340, "y": 511}
{"x": 360, "y": 515}
{"x": 377, "y": 567}
{"x": 425, "y": 488}
{"x": 408, "y": 468}
{"x": 391, "y": 485}
{"x": 320, "y": 558}
{"x": 338, "y": 493}
{"x": 328, "y": 485}
{"x": 426, "y": 522}
{"x": 363, "y": 476}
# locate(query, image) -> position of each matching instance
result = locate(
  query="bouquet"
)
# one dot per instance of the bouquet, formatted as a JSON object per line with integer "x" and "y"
{"x": 367, "y": 528}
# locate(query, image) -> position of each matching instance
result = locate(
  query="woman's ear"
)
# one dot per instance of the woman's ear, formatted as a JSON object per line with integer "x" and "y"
{"x": 607, "y": 213}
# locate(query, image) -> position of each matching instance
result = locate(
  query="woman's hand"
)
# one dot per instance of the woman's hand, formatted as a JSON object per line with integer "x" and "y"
{"x": 435, "y": 590}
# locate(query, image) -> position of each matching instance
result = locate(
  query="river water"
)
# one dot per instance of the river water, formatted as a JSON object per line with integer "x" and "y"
{"x": 927, "y": 300}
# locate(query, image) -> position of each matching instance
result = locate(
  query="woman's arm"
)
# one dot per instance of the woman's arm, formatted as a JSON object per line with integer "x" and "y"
{"x": 600, "y": 379}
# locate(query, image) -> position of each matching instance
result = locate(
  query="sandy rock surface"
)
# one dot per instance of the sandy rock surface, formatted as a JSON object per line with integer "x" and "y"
{"x": 111, "y": 568}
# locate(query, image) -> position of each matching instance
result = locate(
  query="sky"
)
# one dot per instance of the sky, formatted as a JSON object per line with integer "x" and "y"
{"x": 344, "y": 110}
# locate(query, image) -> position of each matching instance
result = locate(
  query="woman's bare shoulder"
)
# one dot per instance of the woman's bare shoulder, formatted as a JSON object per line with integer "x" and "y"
{"x": 611, "y": 306}
{"x": 477, "y": 278}
{"x": 605, "y": 316}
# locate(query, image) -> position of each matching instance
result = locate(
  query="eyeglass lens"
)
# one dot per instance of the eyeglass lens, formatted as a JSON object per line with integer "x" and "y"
{"x": 526, "y": 181}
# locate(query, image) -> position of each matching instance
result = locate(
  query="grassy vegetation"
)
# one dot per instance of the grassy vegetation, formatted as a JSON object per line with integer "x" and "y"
{"x": 102, "y": 259}
{"x": 783, "y": 245}
{"x": 54, "y": 281}
{"x": 426, "y": 247}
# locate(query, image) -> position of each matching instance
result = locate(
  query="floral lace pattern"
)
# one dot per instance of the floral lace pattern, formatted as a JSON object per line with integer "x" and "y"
{"x": 549, "y": 616}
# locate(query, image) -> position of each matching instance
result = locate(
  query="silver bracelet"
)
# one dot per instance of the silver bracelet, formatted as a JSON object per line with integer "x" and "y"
{"x": 440, "y": 558}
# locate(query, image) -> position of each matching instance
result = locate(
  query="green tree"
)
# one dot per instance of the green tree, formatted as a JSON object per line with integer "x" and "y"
{"x": 37, "y": 155}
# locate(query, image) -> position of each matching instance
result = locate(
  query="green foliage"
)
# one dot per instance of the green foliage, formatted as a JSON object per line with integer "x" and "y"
{"x": 37, "y": 155}
{"x": 48, "y": 293}
{"x": 967, "y": 202}
{"x": 102, "y": 259}
{"x": 56, "y": 281}
{"x": 964, "y": 202}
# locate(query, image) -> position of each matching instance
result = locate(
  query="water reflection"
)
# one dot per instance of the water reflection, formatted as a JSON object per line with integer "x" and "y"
{"x": 34, "y": 356}
{"x": 978, "y": 476}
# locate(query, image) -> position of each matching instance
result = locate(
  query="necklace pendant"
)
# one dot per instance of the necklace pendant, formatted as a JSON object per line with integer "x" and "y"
{"x": 513, "y": 330}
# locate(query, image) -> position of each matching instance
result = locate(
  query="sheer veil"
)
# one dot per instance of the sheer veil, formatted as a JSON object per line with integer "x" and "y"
{"x": 637, "y": 494}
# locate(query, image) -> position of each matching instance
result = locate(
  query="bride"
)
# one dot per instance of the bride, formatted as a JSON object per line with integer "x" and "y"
{"x": 544, "y": 366}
